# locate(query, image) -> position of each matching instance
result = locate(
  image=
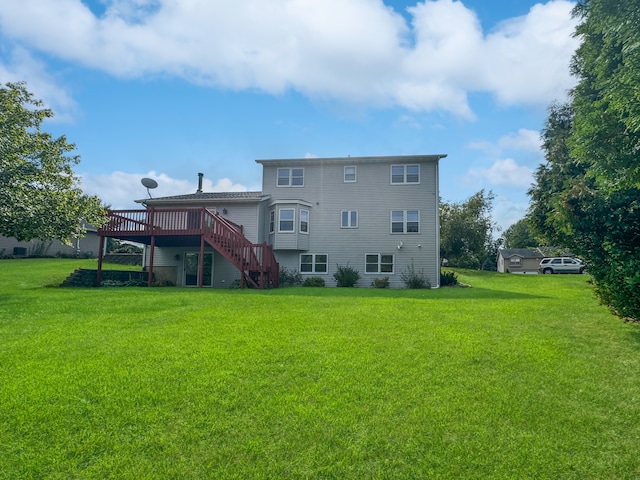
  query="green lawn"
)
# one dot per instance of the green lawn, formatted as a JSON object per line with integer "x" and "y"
{"x": 517, "y": 377}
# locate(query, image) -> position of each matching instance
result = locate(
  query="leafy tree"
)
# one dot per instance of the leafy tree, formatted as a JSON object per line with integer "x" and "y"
{"x": 554, "y": 178}
{"x": 587, "y": 195}
{"x": 39, "y": 195}
{"x": 520, "y": 235}
{"x": 466, "y": 231}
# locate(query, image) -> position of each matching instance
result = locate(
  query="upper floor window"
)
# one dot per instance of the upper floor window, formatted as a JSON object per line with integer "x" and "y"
{"x": 401, "y": 174}
{"x": 287, "y": 220}
{"x": 349, "y": 174}
{"x": 304, "y": 221}
{"x": 405, "y": 221}
{"x": 349, "y": 219}
{"x": 272, "y": 221}
{"x": 291, "y": 177}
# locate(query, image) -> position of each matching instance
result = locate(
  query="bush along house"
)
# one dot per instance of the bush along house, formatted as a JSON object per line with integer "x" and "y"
{"x": 378, "y": 215}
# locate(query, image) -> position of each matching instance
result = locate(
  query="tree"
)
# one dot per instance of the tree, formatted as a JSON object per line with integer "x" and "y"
{"x": 520, "y": 235}
{"x": 466, "y": 231}
{"x": 587, "y": 195}
{"x": 554, "y": 178}
{"x": 39, "y": 194}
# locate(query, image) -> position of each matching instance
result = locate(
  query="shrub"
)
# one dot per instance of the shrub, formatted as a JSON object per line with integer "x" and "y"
{"x": 413, "y": 279}
{"x": 380, "y": 282}
{"x": 448, "y": 279}
{"x": 346, "y": 276}
{"x": 313, "y": 282}
{"x": 290, "y": 277}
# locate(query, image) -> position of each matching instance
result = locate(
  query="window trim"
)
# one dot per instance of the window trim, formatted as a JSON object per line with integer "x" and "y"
{"x": 304, "y": 232}
{"x": 349, "y": 215}
{"x": 380, "y": 263}
{"x": 314, "y": 264}
{"x": 272, "y": 221}
{"x": 293, "y": 221}
{"x": 515, "y": 261}
{"x": 405, "y": 222}
{"x": 289, "y": 177}
{"x": 405, "y": 174}
{"x": 355, "y": 174}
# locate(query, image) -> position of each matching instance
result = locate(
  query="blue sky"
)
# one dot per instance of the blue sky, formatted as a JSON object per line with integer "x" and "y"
{"x": 169, "y": 88}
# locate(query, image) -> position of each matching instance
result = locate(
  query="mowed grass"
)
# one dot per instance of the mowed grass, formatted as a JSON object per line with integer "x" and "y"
{"x": 515, "y": 377}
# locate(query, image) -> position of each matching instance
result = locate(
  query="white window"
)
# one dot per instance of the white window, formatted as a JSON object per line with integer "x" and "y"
{"x": 402, "y": 174}
{"x": 272, "y": 221}
{"x": 349, "y": 219}
{"x": 314, "y": 263}
{"x": 304, "y": 221}
{"x": 405, "y": 221}
{"x": 286, "y": 220}
{"x": 290, "y": 177}
{"x": 349, "y": 174}
{"x": 515, "y": 261}
{"x": 378, "y": 263}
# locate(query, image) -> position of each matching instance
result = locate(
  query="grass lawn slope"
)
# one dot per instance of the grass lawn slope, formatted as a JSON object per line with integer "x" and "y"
{"x": 520, "y": 376}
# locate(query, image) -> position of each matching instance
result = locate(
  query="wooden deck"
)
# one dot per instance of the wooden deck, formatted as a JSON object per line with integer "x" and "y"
{"x": 193, "y": 227}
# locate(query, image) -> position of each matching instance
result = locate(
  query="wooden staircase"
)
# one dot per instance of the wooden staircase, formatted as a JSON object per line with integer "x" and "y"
{"x": 256, "y": 262}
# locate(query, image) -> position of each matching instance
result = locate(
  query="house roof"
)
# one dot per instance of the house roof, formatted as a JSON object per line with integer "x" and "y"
{"x": 207, "y": 197}
{"x": 353, "y": 160}
{"x": 519, "y": 252}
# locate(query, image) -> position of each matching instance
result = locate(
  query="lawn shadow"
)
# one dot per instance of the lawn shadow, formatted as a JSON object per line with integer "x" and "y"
{"x": 446, "y": 293}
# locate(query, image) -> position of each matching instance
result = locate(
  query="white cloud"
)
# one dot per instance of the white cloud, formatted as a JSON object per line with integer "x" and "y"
{"x": 506, "y": 212}
{"x": 504, "y": 172}
{"x": 120, "y": 189}
{"x": 524, "y": 139}
{"x": 351, "y": 50}
{"x": 21, "y": 66}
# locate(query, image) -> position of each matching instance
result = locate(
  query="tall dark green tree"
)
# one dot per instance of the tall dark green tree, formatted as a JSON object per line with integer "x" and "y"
{"x": 466, "y": 230}
{"x": 39, "y": 194}
{"x": 587, "y": 195}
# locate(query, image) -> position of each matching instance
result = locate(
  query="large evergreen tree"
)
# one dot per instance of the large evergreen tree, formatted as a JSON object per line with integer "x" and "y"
{"x": 39, "y": 194}
{"x": 587, "y": 195}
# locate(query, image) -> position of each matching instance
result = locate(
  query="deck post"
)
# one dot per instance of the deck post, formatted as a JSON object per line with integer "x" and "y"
{"x": 262, "y": 263}
{"x": 100, "y": 255}
{"x": 152, "y": 248}
{"x": 201, "y": 261}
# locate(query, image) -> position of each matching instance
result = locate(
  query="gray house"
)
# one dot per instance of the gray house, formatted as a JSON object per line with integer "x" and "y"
{"x": 518, "y": 260}
{"x": 379, "y": 215}
{"x": 86, "y": 246}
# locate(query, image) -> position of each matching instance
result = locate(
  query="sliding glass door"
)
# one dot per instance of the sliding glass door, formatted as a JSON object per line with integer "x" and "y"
{"x": 192, "y": 269}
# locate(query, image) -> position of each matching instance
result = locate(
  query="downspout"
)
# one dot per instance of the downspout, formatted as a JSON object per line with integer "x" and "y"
{"x": 437, "y": 213}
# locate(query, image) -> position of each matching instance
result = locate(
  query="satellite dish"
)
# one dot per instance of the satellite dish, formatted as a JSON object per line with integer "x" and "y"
{"x": 150, "y": 183}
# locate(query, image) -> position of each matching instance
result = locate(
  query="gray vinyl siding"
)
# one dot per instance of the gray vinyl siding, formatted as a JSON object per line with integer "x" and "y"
{"x": 373, "y": 196}
{"x": 85, "y": 246}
